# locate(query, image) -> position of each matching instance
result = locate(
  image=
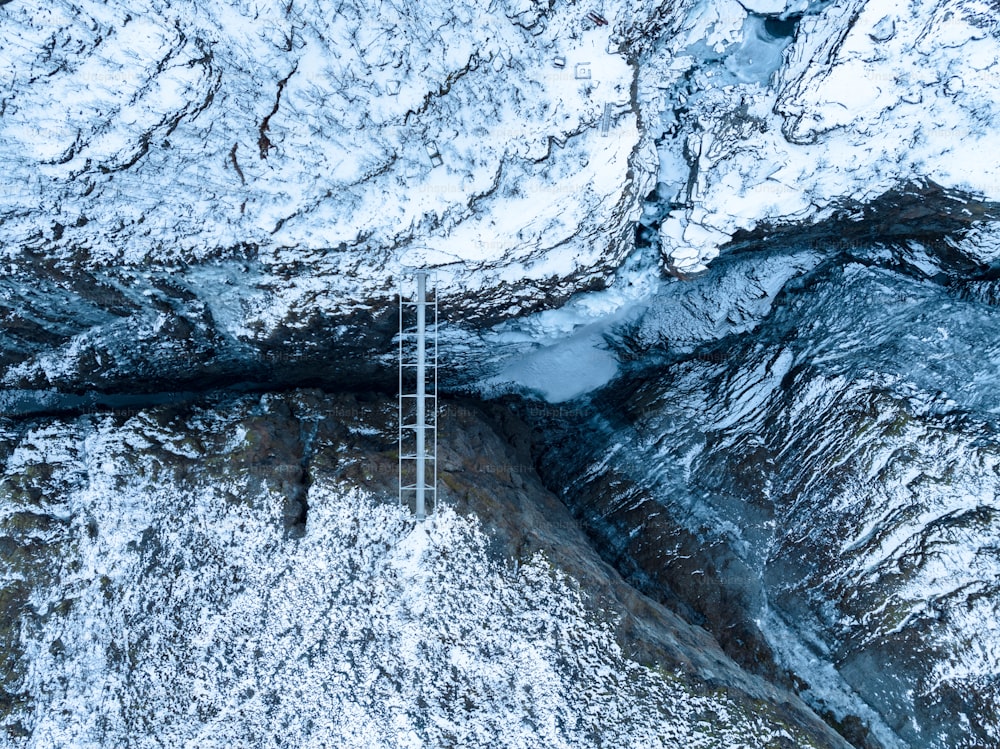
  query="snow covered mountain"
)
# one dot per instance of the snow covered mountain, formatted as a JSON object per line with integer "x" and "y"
{"x": 819, "y": 492}
{"x": 154, "y": 595}
{"x": 744, "y": 251}
{"x": 769, "y": 123}
{"x": 225, "y": 184}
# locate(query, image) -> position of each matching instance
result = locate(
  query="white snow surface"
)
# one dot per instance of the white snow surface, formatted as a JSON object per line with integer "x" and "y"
{"x": 563, "y": 353}
{"x": 195, "y": 623}
{"x": 871, "y": 95}
{"x": 338, "y": 142}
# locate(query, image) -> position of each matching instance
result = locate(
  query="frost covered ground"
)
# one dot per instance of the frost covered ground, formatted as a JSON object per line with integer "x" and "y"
{"x": 867, "y": 96}
{"x": 212, "y": 188}
{"x": 172, "y": 608}
{"x": 777, "y": 114}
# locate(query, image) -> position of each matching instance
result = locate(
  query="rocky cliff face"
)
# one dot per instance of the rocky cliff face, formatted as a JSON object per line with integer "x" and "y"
{"x": 202, "y": 190}
{"x": 237, "y": 572}
{"x": 820, "y": 492}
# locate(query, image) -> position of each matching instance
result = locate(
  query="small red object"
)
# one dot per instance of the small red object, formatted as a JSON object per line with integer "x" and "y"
{"x": 599, "y": 20}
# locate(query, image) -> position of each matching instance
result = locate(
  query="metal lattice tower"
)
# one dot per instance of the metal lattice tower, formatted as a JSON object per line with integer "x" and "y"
{"x": 418, "y": 411}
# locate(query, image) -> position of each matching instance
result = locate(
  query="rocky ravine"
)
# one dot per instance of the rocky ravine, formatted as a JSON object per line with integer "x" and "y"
{"x": 804, "y": 459}
{"x": 203, "y": 196}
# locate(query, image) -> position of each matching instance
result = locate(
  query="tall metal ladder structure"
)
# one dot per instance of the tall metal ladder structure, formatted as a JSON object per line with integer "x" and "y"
{"x": 418, "y": 409}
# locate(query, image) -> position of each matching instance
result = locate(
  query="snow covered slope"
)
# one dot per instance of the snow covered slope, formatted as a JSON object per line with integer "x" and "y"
{"x": 814, "y": 473}
{"x": 785, "y": 123}
{"x": 226, "y": 178}
{"x": 154, "y": 596}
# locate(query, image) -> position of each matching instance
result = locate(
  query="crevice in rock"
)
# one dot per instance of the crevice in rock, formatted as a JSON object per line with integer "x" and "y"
{"x": 781, "y": 26}
{"x": 236, "y": 164}
{"x": 297, "y": 503}
{"x": 264, "y": 142}
{"x": 921, "y": 211}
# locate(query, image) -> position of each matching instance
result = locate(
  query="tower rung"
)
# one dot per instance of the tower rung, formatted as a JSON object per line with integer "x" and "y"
{"x": 418, "y": 350}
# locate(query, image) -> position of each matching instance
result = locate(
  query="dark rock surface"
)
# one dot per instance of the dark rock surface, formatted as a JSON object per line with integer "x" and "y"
{"x": 815, "y": 481}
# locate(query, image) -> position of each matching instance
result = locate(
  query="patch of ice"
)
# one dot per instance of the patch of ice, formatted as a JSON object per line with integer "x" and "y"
{"x": 562, "y": 353}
